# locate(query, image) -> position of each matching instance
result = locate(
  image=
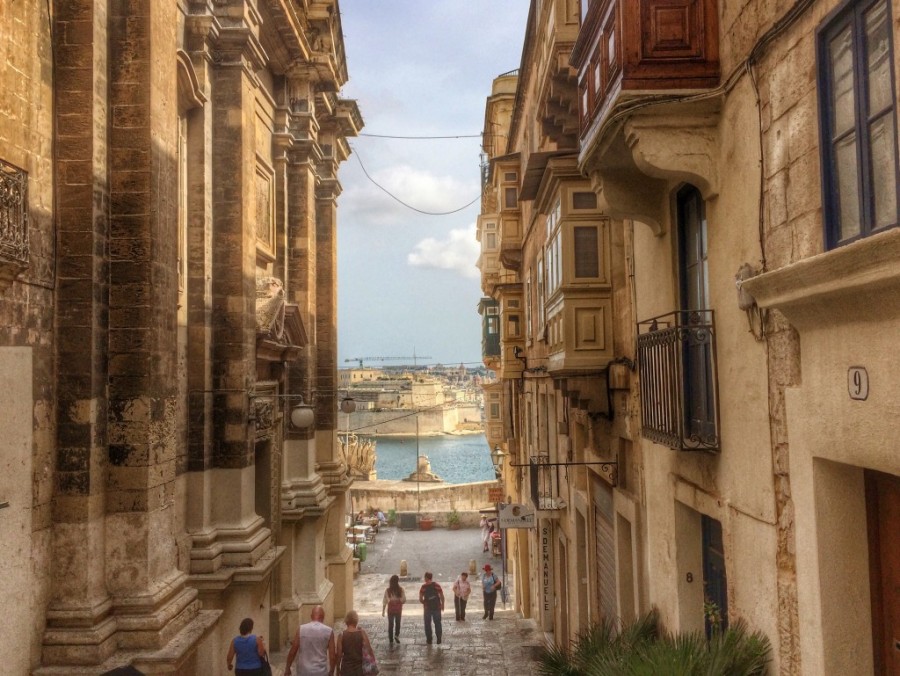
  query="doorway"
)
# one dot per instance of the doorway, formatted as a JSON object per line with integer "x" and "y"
{"x": 883, "y": 517}
{"x": 699, "y": 409}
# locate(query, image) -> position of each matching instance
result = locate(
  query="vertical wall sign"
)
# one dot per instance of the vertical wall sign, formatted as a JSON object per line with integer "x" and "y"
{"x": 546, "y": 546}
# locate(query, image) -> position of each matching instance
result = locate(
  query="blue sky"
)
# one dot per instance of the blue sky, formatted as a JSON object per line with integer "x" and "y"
{"x": 407, "y": 281}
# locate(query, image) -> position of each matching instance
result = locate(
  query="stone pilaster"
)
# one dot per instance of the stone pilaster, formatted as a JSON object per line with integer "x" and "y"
{"x": 236, "y": 536}
{"x": 79, "y": 623}
{"x": 150, "y": 600}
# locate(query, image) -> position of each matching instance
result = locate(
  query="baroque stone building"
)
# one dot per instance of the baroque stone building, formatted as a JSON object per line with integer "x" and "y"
{"x": 167, "y": 249}
{"x": 690, "y": 255}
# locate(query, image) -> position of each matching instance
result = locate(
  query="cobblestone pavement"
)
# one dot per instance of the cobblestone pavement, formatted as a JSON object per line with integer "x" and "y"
{"x": 503, "y": 647}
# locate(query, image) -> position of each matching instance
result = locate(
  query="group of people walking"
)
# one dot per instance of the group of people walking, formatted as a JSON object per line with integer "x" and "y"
{"x": 431, "y": 596}
{"x": 317, "y": 651}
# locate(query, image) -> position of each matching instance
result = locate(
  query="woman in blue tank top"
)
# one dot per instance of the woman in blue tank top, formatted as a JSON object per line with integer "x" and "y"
{"x": 249, "y": 650}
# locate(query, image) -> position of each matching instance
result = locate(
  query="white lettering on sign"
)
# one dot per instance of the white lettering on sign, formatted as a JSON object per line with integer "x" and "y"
{"x": 858, "y": 382}
{"x": 546, "y": 574}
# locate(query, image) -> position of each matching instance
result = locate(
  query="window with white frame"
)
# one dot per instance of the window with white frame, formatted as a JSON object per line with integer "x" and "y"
{"x": 858, "y": 109}
{"x": 539, "y": 283}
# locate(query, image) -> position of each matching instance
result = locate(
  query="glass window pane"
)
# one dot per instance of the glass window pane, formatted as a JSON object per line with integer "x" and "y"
{"x": 841, "y": 55}
{"x": 884, "y": 171}
{"x": 846, "y": 170}
{"x": 587, "y": 255}
{"x": 878, "y": 56}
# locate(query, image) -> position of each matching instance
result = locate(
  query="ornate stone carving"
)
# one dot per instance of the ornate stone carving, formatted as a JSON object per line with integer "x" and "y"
{"x": 14, "y": 249}
{"x": 270, "y": 307}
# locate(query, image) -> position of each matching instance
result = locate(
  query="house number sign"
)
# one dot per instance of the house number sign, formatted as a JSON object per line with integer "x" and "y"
{"x": 858, "y": 382}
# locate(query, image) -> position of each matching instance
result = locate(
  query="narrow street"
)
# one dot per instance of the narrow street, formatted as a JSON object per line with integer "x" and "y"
{"x": 476, "y": 647}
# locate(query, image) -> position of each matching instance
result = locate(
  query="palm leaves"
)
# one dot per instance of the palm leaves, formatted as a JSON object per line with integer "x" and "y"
{"x": 643, "y": 648}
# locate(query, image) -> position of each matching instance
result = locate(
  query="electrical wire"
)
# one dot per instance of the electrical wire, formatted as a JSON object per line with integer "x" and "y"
{"x": 420, "y": 138}
{"x": 397, "y": 199}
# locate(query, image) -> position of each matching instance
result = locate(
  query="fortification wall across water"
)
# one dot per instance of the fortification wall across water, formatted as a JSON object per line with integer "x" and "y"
{"x": 434, "y": 499}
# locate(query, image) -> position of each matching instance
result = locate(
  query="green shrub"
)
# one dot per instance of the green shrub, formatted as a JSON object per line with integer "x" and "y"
{"x": 643, "y": 648}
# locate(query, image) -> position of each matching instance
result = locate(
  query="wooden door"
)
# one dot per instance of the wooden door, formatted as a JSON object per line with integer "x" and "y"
{"x": 883, "y": 511}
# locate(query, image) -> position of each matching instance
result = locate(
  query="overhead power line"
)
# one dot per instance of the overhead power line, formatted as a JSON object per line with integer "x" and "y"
{"x": 421, "y": 138}
{"x": 400, "y": 201}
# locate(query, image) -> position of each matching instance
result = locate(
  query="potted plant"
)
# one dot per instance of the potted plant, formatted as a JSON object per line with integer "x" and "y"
{"x": 453, "y": 519}
{"x": 391, "y": 517}
{"x": 426, "y": 522}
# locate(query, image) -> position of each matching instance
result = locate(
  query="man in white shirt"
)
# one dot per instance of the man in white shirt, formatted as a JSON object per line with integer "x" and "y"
{"x": 314, "y": 648}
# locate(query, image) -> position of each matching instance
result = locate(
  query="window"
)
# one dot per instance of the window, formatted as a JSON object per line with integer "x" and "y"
{"x": 493, "y": 325}
{"x": 490, "y": 241}
{"x": 554, "y": 264}
{"x": 859, "y": 139}
{"x": 529, "y": 312}
{"x": 510, "y": 198}
{"x": 584, "y": 200}
{"x": 540, "y": 294}
{"x": 587, "y": 251}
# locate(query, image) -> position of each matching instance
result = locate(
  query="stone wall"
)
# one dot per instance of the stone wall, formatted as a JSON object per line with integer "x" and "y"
{"x": 434, "y": 499}
{"x": 402, "y": 421}
{"x": 26, "y": 328}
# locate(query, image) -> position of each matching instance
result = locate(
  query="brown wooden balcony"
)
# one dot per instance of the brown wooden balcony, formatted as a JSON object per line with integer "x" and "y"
{"x": 630, "y": 48}
{"x": 679, "y": 395}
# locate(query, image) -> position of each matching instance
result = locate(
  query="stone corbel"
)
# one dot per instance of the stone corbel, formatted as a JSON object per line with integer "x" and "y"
{"x": 629, "y": 194}
{"x": 677, "y": 148}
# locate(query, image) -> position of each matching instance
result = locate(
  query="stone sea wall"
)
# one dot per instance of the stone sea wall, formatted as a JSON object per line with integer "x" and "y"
{"x": 436, "y": 500}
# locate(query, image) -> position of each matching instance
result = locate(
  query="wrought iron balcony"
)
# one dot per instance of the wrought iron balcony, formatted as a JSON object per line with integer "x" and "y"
{"x": 679, "y": 396}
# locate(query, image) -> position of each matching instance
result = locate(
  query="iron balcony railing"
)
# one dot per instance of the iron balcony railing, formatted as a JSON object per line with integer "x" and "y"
{"x": 679, "y": 396}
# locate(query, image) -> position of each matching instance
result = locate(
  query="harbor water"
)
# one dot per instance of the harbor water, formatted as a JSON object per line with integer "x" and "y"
{"x": 456, "y": 459}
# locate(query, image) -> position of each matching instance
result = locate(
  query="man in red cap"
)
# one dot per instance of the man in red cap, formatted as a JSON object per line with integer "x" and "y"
{"x": 490, "y": 583}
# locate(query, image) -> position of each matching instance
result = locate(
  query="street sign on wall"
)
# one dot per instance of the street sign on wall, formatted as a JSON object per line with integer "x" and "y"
{"x": 495, "y": 494}
{"x": 516, "y": 516}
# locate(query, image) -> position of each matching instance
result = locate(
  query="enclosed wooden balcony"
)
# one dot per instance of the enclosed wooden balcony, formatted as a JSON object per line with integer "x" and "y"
{"x": 628, "y": 49}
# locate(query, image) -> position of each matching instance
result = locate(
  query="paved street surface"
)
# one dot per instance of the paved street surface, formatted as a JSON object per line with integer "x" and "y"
{"x": 476, "y": 647}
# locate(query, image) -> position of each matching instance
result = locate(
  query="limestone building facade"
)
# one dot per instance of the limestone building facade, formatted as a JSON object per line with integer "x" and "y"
{"x": 168, "y": 215}
{"x": 688, "y": 368}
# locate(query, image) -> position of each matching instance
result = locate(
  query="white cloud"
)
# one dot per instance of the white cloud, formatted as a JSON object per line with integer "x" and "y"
{"x": 458, "y": 252}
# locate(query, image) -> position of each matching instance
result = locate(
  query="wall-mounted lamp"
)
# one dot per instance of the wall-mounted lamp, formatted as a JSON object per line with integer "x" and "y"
{"x": 497, "y": 456}
{"x": 302, "y": 416}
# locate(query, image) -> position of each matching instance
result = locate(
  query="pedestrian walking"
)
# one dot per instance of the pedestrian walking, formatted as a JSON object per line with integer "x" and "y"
{"x": 249, "y": 649}
{"x": 313, "y": 648}
{"x": 352, "y": 646}
{"x": 461, "y": 591}
{"x": 431, "y": 596}
{"x": 490, "y": 584}
{"x": 485, "y": 526}
{"x": 394, "y": 598}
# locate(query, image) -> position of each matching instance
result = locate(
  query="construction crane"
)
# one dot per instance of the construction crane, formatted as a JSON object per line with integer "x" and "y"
{"x": 360, "y": 360}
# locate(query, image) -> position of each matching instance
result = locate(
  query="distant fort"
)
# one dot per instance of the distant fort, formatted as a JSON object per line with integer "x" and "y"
{"x": 393, "y": 402}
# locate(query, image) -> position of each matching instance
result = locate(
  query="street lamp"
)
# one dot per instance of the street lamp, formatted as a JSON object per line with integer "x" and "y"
{"x": 348, "y": 406}
{"x": 497, "y": 456}
{"x": 302, "y": 416}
